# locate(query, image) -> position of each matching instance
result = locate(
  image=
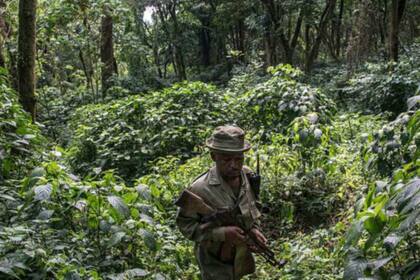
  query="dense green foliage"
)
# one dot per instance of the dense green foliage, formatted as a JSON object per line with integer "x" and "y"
{"x": 275, "y": 103}
{"x": 388, "y": 217}
{"x": 377, "y": 87}
{"x": 87, "y": 191}
{"x": 120, "y": 224}
{"x": 129, "y": 134}
{"x": 20, "y": 140}
{"x": 65, "y": 227}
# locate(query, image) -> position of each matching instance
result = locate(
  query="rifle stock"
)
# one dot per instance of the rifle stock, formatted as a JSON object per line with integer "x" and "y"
{"x": 192, "y": 203}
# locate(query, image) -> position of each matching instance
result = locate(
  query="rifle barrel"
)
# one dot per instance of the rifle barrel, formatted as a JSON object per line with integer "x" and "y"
{"x": 267, "y": 253}
{"x": 258, "y": 163}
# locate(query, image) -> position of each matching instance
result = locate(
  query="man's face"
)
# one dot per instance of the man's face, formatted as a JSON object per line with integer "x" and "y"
{"x": 228, "y": 165}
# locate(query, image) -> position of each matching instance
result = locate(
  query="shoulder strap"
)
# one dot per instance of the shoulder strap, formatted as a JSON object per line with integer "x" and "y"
{"x": 199, "y": 176}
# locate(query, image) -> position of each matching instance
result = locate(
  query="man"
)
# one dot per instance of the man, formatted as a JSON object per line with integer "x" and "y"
{"x": 222, "y": 252}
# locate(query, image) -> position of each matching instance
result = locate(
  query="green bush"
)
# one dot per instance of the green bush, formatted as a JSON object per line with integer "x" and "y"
{"x": 274, "y": 104}
{"x": 55, "y": 107}
{"x": 310, "y": 173}
{"x": 395, "y": 144}
{"x": 382, "y": 240}
{"x": 21, "y": 142}
{"x": 302, "y": 250}
{"x": 63, "y": 228}
{"x": 310, "y": 255}
{"x": 128, "y": 134}
{"x": 381, "y": 88}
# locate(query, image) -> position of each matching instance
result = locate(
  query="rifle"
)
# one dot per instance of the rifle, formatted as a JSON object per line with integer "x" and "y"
{"x": 192, "y": 203}
{"x": 255, "y": 179}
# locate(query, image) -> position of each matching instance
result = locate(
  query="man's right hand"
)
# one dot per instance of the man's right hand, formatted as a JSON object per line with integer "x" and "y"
{"x": 234, "y": 235}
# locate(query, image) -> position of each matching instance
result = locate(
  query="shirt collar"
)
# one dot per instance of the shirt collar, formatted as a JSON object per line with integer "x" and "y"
{"x": 214, "y": 179}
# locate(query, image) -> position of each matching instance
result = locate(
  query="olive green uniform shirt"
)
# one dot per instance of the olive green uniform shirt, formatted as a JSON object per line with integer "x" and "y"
{"x": 218, "y": 194}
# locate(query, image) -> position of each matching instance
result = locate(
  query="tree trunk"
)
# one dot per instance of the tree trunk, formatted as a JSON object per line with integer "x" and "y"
{"x": 109, "y": 67}
{"x": 205, "y": 42}
{"x": 270, "y": 31}
{"x": 177, "y": 56}
{"x": 26, "y": 55}
{"x": 87, "y": 58}
{"x": 4, "y": 32}
{"x": 88, "y": 74}
{"x": 325, "y": 17}
{"x": 397, "y": 11}
{"x": 240, "y": 38}
{"x": 382, "y": 22}
{"x": 338, "y": 34}
{"x": 289, "y": 45}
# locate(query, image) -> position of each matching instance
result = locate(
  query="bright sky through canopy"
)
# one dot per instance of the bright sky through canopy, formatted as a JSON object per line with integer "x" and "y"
{"x": 147, "y": 16}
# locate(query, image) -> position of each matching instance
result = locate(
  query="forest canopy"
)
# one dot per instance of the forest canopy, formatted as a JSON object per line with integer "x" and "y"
{"x": 105, "y": 107}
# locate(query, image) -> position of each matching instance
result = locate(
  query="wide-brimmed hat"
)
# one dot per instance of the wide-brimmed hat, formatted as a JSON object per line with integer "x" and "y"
{"x": 228, "y": 139}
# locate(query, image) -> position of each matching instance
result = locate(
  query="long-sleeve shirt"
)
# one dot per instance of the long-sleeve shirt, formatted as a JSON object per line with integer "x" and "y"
{"x": 208, "y": 241}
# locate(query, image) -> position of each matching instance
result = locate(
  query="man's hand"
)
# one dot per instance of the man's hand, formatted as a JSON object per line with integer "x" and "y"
{"x": 259, "y": 238}
{"x": 234, "y": 235}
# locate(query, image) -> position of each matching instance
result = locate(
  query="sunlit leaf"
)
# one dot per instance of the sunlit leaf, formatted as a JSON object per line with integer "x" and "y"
{"x": 42, "y": 192}
{"x": 144, "y": 191}
{"x": 135, "y": 272}
{"x": 45, "y": 214}
{"x": 119, "y": 205}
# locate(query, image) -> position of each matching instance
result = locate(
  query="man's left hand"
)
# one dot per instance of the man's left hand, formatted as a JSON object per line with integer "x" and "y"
{"x": 260, "y": 238}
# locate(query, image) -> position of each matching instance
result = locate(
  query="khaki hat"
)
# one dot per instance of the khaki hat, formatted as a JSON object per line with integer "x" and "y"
{"x": 228, "y": 138}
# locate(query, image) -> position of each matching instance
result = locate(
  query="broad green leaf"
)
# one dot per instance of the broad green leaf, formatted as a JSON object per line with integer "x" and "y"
{"x": 116, "y": 238}
{"x": 391, "y": 241}
{"x": 37, "y": 172}
{"x": 72, "y": 275}
{"x": 7, "y": 197}
{"x": 148, "y": 239}
{"x": 355, "y": 269}
{"x": 144, "y": 191}
{"x": 8, "y": 271}
{"x": 155, "y": 191}
{"x": 45, "y": 214}
{"x": 147, "y": 219}
{"x": 42, "y": 192}
{"x": 135, "y": 272}
{"x": 354, "y": 233}
{"x": 412, "y": 101}
{"x": 377, "y": 264}
{"x": 411, "y": 220}
{"x": 374, "y": 225}
{"x": 119, "y": 205}
{"x": 159, "y": 276}
{"x": 146, "y": 209}
{"x": 413, "y": 203}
